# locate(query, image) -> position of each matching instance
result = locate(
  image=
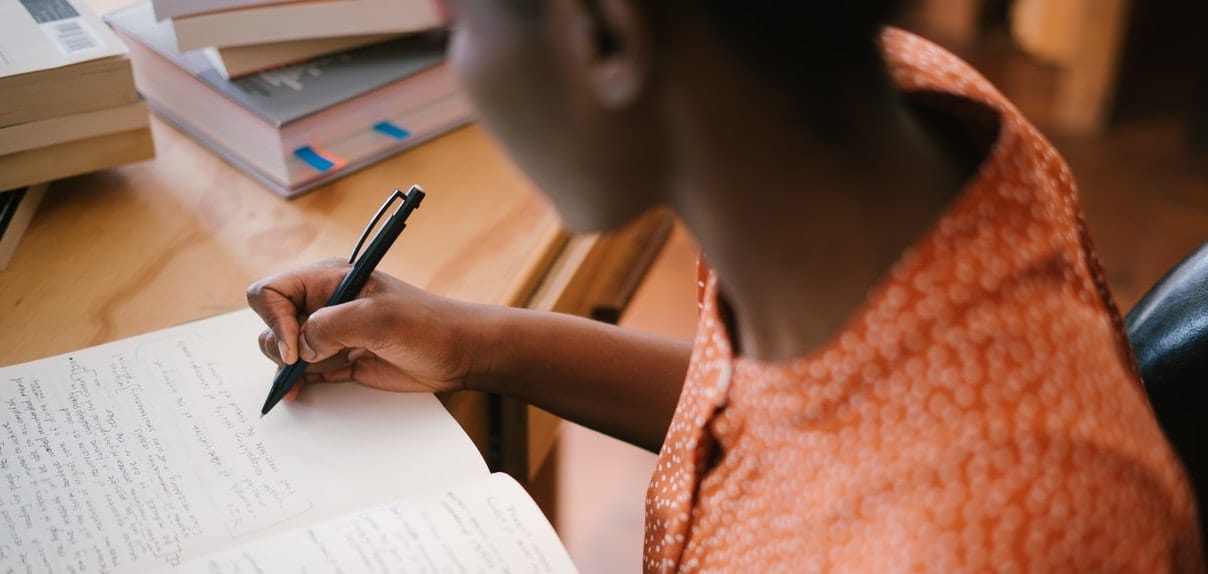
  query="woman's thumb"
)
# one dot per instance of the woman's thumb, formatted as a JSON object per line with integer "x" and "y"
{"x": 332, "y": 329}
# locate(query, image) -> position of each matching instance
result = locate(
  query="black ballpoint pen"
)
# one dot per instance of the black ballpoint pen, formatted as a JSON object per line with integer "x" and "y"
{"x": 355, "y": 280}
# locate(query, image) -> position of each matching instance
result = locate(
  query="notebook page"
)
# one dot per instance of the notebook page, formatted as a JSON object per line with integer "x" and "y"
{"x": 150, "y": 451}
{"x": 486, "y": 526}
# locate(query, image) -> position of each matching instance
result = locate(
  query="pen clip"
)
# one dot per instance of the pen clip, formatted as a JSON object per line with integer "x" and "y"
{"x": 396, "y": 196}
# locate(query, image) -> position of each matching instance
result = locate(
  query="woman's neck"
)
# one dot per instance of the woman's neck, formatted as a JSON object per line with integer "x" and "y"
{"x": 800, "y": 227}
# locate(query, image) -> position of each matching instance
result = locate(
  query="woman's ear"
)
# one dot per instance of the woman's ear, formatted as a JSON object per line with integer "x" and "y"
{"x": 612, "y": 47}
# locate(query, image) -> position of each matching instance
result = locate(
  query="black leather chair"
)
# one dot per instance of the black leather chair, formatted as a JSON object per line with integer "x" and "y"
{"x": 1168, "y": 330}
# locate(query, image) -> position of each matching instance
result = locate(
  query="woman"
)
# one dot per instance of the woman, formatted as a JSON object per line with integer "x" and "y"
{"x": 948, "y": 391}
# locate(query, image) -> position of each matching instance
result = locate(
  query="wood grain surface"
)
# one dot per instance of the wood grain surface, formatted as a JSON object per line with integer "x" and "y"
{"x": 139, "y": 248}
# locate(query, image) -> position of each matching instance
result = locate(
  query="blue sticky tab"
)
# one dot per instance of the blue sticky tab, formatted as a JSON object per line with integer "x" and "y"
{"x": 313, "y": 158}
{"x": 391, "y": 130}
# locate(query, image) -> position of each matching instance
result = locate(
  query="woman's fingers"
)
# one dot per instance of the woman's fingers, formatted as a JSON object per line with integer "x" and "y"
{"x": 360, "y": 323}
{"x": 279, "y": 301}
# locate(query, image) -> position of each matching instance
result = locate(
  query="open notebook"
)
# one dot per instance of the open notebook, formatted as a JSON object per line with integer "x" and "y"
{"x": 149, "y": 453}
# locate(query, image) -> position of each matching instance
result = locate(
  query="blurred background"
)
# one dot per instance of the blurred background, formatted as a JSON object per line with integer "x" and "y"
{"x": 1121, "y": 89}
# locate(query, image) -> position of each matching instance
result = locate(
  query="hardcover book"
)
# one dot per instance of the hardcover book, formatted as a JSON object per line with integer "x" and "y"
{"x": 298, "y": 127}
{"x": 305, "y": 20}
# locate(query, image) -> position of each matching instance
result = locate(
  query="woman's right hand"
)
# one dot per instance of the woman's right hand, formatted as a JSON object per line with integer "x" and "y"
{"x": 393, "y": 336}
{"x": 396, "y": 337}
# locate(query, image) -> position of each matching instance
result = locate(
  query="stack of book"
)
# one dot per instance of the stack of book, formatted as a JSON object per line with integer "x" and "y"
{"x": 67, "y": 104}
{"x": 295, "y": 93}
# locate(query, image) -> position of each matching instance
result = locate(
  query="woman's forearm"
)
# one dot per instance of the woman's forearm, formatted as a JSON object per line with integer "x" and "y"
{"x": 618, "y": 381}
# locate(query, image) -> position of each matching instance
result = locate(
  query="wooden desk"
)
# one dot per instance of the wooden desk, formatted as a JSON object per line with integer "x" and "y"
{"x": 143, "y": 247}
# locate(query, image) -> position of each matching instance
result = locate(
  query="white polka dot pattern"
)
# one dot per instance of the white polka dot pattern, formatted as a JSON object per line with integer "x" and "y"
{"x": 980, "y": 413}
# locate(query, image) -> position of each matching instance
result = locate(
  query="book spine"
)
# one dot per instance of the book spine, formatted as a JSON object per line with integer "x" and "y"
{"x": 17, "y": 209}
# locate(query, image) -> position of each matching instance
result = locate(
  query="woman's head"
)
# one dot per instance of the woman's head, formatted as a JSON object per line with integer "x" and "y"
{"x": 587, "y": 95}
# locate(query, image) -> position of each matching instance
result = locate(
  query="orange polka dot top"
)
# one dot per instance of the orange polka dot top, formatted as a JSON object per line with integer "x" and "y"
{"x": 979, "y": 413}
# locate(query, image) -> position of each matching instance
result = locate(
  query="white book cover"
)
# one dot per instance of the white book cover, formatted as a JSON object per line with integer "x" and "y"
{"x": 44, "y": 34}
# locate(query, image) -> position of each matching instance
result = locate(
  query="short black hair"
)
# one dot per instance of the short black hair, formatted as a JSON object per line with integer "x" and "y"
{"x": 765, "y": 22}
{"x": 776, "y": 31}
{"x": 823, "y": 54}
{"x": 781, "y": 39}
